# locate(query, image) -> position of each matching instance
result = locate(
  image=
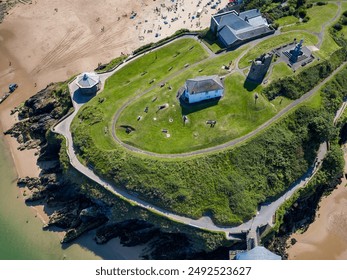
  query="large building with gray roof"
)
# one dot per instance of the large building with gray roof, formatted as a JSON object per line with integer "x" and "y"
{"x": 233, "y": 29}
{"x": 203, "y": 88}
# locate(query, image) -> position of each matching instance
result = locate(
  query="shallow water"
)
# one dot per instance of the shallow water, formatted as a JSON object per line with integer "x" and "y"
{"x": 21, "y": 234}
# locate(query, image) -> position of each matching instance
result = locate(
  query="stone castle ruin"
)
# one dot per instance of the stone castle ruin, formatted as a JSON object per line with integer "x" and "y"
{"x": 259, "y": 68}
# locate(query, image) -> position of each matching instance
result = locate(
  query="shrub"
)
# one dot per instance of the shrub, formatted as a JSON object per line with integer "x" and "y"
{"x": 320, "y": 3}
{"x": 161, "y": 42}
{"x": 275, "y": 25}
{"x": 302, "y": 13}
{"x": 294, "y": 87}
{"x": 337, "y": 26}
{"x": 306, "y": 19}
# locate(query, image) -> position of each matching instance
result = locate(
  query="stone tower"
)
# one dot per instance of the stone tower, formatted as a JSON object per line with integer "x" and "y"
{"x": 259, "y": 68}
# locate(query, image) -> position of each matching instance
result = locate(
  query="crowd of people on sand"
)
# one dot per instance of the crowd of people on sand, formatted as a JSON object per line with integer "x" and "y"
{"x": 175, "y": 15}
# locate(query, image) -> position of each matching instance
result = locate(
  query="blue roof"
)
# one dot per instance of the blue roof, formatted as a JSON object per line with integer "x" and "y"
{"x": 250, "y": 14}
{"x": 233, "y": 21}
{"x": 233, "y": 27}
{"x": 228, "y": 35}
{"x": 257, "y": 253}
{"x": 87, "y": 80}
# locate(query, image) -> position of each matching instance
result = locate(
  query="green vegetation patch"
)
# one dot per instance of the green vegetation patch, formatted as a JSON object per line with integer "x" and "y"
{"x": 274, "y": 42}
{"x": 211, "y": 41}
{"x": 227, "y": 186}
{"x": 318, "y": 16}
{"x": 339, "y": 28}
{"x": 91, "y": 114}
{"x": 280, "y": 70}
{"x": 112, "y": 64}
{"x": 123, "y": 210}
{"x": 237, "y": 113}
{"x": 295, "y": 86}
{"x": 140, "y": 75}
{"x": 328, "y": 46}
{"x": 287, "y": 20}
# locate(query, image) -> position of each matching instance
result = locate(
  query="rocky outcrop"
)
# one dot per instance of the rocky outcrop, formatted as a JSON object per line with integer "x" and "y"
{"x": 28, "y": 182}
{"x": 130, "y": 232}
{"x": 74, "y": 210}
{"x": 38, "y": 114}
{"x": 36, "y": 195}
{"x": 73, "y": 233}
{"x": 299, "y": 216}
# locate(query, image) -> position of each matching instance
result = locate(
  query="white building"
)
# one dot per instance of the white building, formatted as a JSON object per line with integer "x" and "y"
{"x": 88, "y": 83}
{"x": 203, "y": 88}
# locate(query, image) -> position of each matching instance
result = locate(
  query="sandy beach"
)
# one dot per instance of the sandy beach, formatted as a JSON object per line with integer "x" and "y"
{"x": 49, "y": 41}
{"x": 326, "y": 237}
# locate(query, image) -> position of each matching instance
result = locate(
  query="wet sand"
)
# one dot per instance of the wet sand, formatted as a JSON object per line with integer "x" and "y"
{"x": 326, "y": 237}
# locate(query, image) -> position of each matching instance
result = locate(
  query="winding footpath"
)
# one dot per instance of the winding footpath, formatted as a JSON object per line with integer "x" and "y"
{"x": 231, "y": 143}
{"x": 265, "y": 213}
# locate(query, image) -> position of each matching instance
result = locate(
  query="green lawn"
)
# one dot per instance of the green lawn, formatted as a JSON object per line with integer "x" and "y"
{"x": 141, "y": 74}
{"x": 281, "y": 102}
{"x": 113, "y": 63}
{"x": 315, "y": 101}
{"x": 287, "y": 20}
{"x": 319, "y": 15}
{"x": 271, "y": 43}
{"x": 280, "y": 70}
{"x": 236, "y": 114}
{"x": 213, "y": 46}
{"x": 227, "y": 185}
{"x": 211, "y": 41}
{"x": 328, "y": 46}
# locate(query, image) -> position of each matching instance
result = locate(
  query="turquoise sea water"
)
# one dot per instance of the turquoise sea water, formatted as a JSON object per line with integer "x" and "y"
{"x": 21, "y": 234}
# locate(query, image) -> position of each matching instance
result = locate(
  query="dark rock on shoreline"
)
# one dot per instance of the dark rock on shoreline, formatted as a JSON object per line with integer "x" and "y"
{"x": 38, "y": 114}
{"x": 36, "y": 196}
{"x": 28, "y": 182}
{"x": 72, "y": 209}
{"x": 299, "y": 216}
{"x": 73, "y": 233}
{"x": 130, "y": 232}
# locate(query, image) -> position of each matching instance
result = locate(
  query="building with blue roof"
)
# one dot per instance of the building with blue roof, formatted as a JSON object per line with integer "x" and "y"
{"x": 234, "y": 29}
{"x": 88, "y": 83}
{"x": 257, "y": 253}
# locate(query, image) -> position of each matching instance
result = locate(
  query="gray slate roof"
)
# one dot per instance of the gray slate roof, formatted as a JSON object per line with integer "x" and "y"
{"x": 233, "y": 21}
{"x": 258, "y": 253}
{"x": 87, "y": 80}
{"x": 254, "y": 32}
{"x": 233, "y": 27}
{"x": 228, "y": 35}
{"x": 250, "y": 14}
{"x": 203, "y": 84}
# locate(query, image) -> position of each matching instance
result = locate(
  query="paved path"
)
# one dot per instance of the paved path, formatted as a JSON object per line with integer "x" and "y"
{"x": 263, "y": 216}
{"x": 232, "y": 142}
{"x": 327, "y": 24}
